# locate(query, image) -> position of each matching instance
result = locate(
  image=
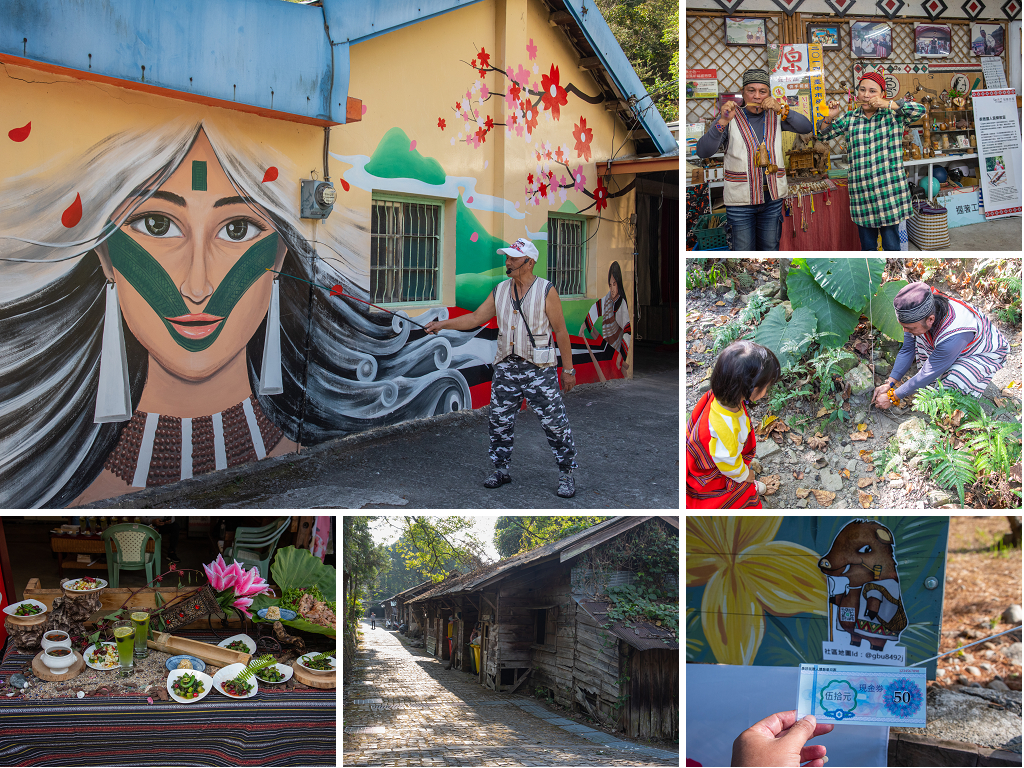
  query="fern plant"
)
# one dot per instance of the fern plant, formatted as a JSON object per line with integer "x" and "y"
{"x": 997, "y": 446}
{"x": 726, "y": 335}
{"x": 951, "y": 468}
{"x": 755, "y": 309}
{"x": 940, "y": 401}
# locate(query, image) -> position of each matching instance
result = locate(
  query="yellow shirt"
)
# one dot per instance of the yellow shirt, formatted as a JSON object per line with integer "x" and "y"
{"x": 728, "y": 435}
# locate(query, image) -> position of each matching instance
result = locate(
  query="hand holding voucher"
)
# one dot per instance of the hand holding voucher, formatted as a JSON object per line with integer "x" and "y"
{"x": 863, "y": 695}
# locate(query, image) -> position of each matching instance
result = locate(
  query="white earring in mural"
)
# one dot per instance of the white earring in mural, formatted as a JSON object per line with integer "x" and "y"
{"x": 270, "y": 375}
{"x": 113, "y": 400}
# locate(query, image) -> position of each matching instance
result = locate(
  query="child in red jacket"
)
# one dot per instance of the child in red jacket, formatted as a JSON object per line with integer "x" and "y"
{"x": 719, "y": 438}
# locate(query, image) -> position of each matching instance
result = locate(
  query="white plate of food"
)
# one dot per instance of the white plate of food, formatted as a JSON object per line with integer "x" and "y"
{"x": 331, "y": 662}
{"x": 104, "y": 659}
{"x": 27, "y": 608}
{"x": 248, "y": 642}
{"x": 283, "y": 670}
{"x": 226, "y": 675}
{"x": 188, "y": 685}
{"x": 83, "y": 585}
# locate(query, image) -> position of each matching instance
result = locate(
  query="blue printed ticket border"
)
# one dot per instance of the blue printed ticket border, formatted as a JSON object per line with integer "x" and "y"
{"x": 862, "y": 695}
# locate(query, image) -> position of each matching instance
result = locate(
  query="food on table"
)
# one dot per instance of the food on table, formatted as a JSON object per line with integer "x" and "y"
{"x": 316, "y": 611}
{"x": 238, "y": 645}
{"x": 106, "y": 656}
{"x": 58, "y": 651}
{"x": 55, "y": 637}
{"x": 83, "y": 584}
{"x": 236, "y": 687}
{"x": 188, "y": 686}
{"x": 28, "y": 610}
{"x": 321, "y": 664}
{"x": 270, "y": 675}
{"x": 273, "y": 613}
{"x": 184, "y": 664}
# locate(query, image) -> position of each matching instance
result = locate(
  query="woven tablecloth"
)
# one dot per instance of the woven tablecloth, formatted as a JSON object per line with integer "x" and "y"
{"x": 275, "y": 727}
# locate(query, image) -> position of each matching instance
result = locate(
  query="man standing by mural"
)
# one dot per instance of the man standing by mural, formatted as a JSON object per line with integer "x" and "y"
{"x": 529, "y": 312}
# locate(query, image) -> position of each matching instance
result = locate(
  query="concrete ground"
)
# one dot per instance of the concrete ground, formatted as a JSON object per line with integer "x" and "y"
{"x": 995, "y": 235}
{"x": 402, "y": 707}
{"x": 626, "y": 433}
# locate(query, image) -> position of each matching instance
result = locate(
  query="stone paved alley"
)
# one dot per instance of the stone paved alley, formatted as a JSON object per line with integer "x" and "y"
{"x": 403, "y": 707}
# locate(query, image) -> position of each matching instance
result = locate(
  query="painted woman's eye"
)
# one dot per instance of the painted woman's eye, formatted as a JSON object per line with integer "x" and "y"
{"x": 156, "y": 225}
{"x": 239, "y": 231}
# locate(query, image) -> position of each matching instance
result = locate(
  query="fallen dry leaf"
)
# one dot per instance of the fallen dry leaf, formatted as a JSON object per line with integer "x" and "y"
{"x": 869, "y": 467}
{"x": 893, "y": 476}
{"x": 821, "y": 412}
{"x": 864, "y": 499}
{"x": 825, "y": 498}
{"x": 818, "y": 442}
{"x": 999, "y": 401}
{"x": 797, "y": 439}
{"x": 862, "y": 346}
{"x": 719, "y": 303}
{"x": 864, "y": 482}
{"x": 773, "y": 483}
{"x": 862, "y": 427}
{"x": 845, "y": 473}
{"x": 698, "y": 348}
{"x": 798, "y": 475}
{"x": 865, "y": 454}
{"x": 734, "y": 311}
{"x": 909, "y": 487}
{"x": 860, "y": 436}
{"x": 802, "y": 493}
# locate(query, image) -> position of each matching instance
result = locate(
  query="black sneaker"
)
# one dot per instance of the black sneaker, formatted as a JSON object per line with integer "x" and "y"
{"x": 566, "y": 485}
{"x": 497, "y": 479}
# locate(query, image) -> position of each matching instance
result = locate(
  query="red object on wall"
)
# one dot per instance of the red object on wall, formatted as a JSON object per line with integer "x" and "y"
{"x": 73, "y": 213}
{"x": 829, "y": 228}
{"x": 20, "y": 134}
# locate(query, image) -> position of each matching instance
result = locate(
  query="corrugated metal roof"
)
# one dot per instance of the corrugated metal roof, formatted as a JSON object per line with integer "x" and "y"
{"x": 642, "y": 635}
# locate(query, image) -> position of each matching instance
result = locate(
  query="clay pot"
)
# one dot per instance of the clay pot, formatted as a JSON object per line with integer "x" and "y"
{"x": 943, "y": 127}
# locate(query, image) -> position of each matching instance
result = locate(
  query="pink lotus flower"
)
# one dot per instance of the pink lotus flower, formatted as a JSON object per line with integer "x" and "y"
{"x": 243, "y": 604}
{"x": 220, "y": 576}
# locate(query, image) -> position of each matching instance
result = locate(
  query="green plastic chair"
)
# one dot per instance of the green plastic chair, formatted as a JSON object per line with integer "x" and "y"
{"x": 132, "y": 540}
{"x": 255, "y": 546}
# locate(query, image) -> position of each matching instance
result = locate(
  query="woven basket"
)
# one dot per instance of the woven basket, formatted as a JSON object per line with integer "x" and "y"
{"x": 928, "y": 228}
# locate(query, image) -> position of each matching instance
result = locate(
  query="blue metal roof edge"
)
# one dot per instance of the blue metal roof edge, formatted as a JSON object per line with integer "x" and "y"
{"x": 355, "y": 21}
{"x": 607, "y": 48}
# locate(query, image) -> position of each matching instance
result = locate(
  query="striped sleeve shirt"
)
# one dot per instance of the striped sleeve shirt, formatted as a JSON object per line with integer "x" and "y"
{"x": 728, "y": 435}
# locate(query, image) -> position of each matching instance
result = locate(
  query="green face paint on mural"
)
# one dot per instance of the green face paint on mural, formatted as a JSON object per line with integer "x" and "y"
{"x": 151, "y": 280}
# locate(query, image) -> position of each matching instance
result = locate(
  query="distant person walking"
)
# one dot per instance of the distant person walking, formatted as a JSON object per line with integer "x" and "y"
{"x": 373, "y": 620}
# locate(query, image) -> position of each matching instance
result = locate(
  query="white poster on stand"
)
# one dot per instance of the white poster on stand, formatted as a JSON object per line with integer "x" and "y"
{"x": 724, "y": 700}
{"x": 999, "y": 151}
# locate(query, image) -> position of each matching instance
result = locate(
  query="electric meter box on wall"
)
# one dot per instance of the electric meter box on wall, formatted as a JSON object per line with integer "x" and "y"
{"x": 317, "y": 200}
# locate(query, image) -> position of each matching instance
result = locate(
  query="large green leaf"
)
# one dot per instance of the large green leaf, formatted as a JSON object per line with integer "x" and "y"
{"x": 786, "y": 339}
{"x": 294, "y": 568}
{"x": 848, "y": 281}
{"x": 832, "y": 316}
{"x": 882, "y": 313}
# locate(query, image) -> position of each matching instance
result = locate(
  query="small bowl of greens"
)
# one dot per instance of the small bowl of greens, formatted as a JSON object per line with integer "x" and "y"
{"x": 278, "y": 673}
{"x": 188, "y": 685}
{"x": 323, "y": 666}
{"x": 227, "y": 682}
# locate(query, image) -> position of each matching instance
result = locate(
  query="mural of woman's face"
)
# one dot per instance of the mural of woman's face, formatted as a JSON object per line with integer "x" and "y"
{"x": 190, "y": 265}
{"x": 613, "y": 288}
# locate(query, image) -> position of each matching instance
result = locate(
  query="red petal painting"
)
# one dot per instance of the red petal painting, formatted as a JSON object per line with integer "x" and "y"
{"x": 20, "y": 134}
{"x": 337, "y": 290}
{"x": 270, "y": 175}
{"x": 345, "y": 185}
{"x": 73, "y": 213}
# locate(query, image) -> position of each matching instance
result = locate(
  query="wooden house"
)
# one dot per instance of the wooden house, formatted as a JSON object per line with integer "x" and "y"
{"x": 538, "y": 622}
{"x": 403, "y": 611}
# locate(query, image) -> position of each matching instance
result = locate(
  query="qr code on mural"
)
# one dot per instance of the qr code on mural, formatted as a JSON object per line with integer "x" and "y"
{"x": 847, "y": 614}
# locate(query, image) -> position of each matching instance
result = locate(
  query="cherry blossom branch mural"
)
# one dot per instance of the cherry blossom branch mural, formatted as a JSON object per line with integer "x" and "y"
{"x": 526, "y": 101}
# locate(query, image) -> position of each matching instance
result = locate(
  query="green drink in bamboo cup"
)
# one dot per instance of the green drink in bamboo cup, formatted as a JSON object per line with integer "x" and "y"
{"x": 124, "y": 636}
{"x": 140, "y": 619}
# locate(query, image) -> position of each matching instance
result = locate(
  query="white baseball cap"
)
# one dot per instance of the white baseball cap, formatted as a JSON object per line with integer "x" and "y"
{"x": 521, "y": 247}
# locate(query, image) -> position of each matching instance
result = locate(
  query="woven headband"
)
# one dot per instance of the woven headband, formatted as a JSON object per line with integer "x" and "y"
{"x": 920, "y": 312}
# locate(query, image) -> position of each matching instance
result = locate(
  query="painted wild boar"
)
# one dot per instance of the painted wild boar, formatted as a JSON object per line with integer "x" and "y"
{"x": 864, "y": 585}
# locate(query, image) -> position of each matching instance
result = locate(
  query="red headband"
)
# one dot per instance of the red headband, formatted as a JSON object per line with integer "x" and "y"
{"x": 875, "y": 78}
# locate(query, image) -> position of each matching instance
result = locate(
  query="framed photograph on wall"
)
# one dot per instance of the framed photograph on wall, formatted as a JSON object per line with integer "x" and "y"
{"x": 825, "y": 35}
{"x": 932, "y": 41}
{"x": 987, "y": 39}
{"x": 746, "y": 32}
{"x": 870, "y": 39}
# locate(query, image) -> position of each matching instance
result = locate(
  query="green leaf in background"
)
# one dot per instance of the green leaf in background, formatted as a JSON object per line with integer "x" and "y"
{"x": 292, "y": 569}
{"x": 848, "y": 281}
{"x": 804, "y": 291}
{"x": 883, "y": 315}
{"x": 774, "y": 332}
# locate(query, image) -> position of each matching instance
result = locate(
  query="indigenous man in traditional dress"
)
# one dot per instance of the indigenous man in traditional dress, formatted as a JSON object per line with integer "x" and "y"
{"x": 755, "y": 168}
{"x": 949, "y": 339}
{"x": 879, "y": 197}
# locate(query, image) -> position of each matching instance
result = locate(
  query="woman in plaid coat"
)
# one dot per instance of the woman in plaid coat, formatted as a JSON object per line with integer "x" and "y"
{"x": 879, "y": 197}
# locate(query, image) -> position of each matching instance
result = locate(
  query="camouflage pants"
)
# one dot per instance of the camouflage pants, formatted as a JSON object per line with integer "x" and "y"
{"x": 514, "y": 379}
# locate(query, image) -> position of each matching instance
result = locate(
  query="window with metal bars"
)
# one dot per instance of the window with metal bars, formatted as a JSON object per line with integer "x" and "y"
{"x": 567, "y": 255}
{"x": 405, "y": 251}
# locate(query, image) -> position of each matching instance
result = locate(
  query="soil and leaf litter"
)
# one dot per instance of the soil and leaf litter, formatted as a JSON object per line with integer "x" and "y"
{"x": 831, "y": 323}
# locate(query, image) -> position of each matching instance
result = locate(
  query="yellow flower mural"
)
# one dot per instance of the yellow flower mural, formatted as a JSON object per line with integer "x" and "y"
{"x": 746, "y": 574}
